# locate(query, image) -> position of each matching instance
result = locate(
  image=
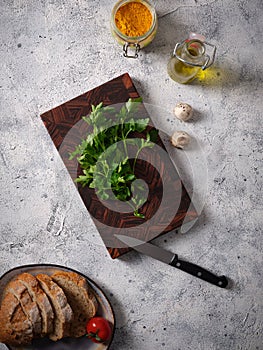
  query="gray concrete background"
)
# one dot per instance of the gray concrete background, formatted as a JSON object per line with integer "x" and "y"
{"x": 52, "y": 51}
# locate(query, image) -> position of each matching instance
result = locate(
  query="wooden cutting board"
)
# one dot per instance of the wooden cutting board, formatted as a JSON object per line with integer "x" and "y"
{"x": 168, "y": 205}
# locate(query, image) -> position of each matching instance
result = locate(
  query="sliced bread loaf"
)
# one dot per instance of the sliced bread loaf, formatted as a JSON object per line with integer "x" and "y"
{"x": 16, "y": 329}
{"x": 80, "y": 297}
{"x": 41, "y": 299}
{"x": 29, "y": 307}
{"x": 62, "y": 310}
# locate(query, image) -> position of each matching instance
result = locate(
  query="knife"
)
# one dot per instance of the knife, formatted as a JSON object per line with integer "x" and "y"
{"x": 173, "y": 260}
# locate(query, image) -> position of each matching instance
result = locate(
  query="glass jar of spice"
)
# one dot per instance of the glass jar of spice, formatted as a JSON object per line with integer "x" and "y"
{"x": 134, "y": 25}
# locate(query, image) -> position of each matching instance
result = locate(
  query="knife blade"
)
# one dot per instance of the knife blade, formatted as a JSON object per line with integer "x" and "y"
{"x": 172, "y": 259}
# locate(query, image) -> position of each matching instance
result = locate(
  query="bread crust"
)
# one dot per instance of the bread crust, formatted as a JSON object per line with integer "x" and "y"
{"x": 41, "y": 299}
{"x": 80, "y": 297}
{"x": 28, "y": 306}
{"x": 16, "y": 329}
{"x": 61, "y": 308}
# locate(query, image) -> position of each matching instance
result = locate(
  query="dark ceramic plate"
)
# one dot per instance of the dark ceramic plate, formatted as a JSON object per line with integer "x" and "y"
{"x": 105, "y": 310}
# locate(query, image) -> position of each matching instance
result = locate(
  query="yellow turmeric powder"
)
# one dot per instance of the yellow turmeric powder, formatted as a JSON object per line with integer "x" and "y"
{"x": 133, "y": 19}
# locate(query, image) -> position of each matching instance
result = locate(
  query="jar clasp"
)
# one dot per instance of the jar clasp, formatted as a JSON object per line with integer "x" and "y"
{"x": 126, "y": 47}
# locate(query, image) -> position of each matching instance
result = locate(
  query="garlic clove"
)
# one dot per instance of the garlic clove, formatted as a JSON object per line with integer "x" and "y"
{"x": 183, "y": 111}
{"x": 180, "y": 139}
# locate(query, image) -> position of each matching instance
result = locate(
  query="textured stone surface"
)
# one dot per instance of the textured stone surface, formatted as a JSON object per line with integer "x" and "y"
{"x": 52, "y": 51}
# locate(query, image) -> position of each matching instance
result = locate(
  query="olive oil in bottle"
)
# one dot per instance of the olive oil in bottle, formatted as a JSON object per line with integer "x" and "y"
{"x": 188, "y": 58}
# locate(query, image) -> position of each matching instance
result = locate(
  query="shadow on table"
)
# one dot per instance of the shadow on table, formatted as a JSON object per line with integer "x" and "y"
{"x": 224, "y": 72}
{"x": 121, "y": 335}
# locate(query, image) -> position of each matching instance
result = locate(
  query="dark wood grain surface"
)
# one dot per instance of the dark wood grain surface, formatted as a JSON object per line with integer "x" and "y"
{"x": 168, "y": 204}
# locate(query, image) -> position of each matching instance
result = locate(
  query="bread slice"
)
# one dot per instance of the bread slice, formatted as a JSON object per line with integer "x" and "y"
{"x": 41, "y": 299}
{"x": 80, "y": 297}
{"x": 16, "y": 329}
{"x": 28, "y": 306}
{"x": 62, "y": 310}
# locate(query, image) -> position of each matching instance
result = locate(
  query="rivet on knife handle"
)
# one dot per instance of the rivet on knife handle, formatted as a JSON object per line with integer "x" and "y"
{"x": 197, "y": 271}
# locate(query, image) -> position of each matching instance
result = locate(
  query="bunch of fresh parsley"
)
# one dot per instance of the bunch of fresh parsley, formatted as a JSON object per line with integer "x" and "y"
{"x": 103, "y": 155}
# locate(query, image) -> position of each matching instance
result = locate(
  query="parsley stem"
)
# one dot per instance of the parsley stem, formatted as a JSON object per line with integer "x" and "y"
{"x": 135, "y": 159}
{"x": 124, "y": 138}
{"x": 134, "y": 207}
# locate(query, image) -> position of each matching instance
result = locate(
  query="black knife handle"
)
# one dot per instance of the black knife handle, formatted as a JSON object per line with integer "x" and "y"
{"x": 197, "y": 271}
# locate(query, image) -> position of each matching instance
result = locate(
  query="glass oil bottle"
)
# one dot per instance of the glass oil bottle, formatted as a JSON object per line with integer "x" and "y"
{"x": 189, "y": 57}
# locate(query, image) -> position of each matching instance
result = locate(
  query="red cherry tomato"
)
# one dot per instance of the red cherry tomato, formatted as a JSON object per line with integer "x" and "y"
{"x": 98, "y": 329}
